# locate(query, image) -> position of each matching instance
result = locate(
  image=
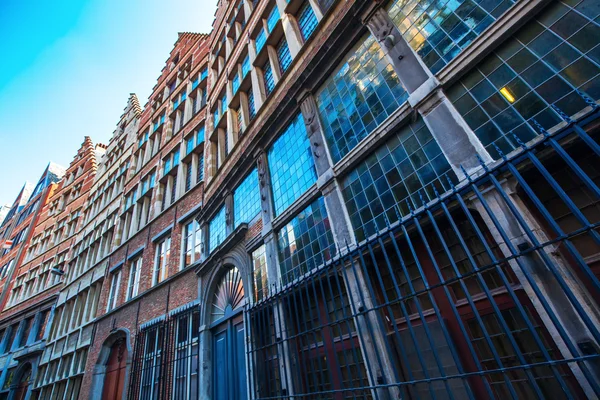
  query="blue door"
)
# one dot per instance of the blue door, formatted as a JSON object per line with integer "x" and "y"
{"x": 229, "y": 358}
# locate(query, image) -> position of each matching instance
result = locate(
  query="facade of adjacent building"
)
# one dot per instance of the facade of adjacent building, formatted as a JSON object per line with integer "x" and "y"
{"x": 351, "y": 199}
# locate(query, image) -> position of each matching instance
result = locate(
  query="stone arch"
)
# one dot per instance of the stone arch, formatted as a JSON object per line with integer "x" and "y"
{"x": 23, "y": 378}
{"x": 235, "y": 258}
{"x": 99, "y": 373}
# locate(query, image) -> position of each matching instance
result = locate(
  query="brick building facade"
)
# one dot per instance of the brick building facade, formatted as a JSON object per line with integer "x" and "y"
{"x": 345, "y": 199}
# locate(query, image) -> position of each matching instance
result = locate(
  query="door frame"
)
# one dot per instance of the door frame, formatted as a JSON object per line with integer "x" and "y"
{"x": 227, "y": 324}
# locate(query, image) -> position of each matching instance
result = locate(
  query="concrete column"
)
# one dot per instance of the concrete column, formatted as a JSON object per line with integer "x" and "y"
{"x": 458, "y": 143}
{"x": 194, "y": 166}
{"x": 245, "y": 110}
{"x": 221, "y": 155}
{"x": 232, "y": 134}
{"x": 228, "y": 213}
{"x": 257, "y": 86}
{"x": 272, "y": 53}
{"x": 211, "y": 159}
{"x": 292, "y": 33}
{"x": 531, "y": 265}
{"x": 266, "y": 195}
{"x": 247, "y": 10}
{"x": 180, "y": 174}
{"x": 316, "y": 6}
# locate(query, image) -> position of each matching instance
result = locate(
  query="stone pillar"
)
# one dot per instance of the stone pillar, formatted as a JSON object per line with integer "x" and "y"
{"x": 245, "y": 109}
{"x": 229, "y": 227}
{"x": 272, "y": 53}
{"x": 292, "y": 33}
{"x": 266, "y": 196}
{"x": 458, "y": 143}
{"x": 372, "y": 346}
{"x": 316, "y": 6}
{"x": 532, "y": 265}
{"x": 194, "y": 166}
{"x": 257, "y": 87}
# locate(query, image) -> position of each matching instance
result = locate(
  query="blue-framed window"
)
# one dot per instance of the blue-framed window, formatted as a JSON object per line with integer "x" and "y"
{"x": 235, "y": 83}
{"x": 246, "y": 199}
{"x": 269, "y": 79}
{"x": 251, "y": 105}
{"x": 283, "y": 55}
{"x": 362, "y": 92}
{"x": 408, "y": 165}
{"x": 272, "y": 19}
{"x": 217, "y": 230}
{"x": 246, "y": 66}
{"x": 440, "y": 29}
{"x": 307, "y": 20}
{"x": 543, "y": 64}
{"x": 305, "y": 242}
{"x": 260, "y": 41}
{"x": 291, "y": 165}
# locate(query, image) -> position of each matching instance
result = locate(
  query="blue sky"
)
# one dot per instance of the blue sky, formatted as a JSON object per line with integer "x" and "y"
{"x": 67, "y": 70}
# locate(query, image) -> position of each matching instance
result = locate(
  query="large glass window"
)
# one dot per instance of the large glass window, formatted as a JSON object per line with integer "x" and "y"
{"x": 259, "y": 267}
{"x": 291, "y": 165}
{"x": 216, "y": 230}
{"x": 251, "y": 106}
{"x": 542, "y": 65}
{"x": 273, "y": 19}
{"x": 307, "y": 21}
{"x": 246, "y": 199}
{"x": 161, "y": 260}
{"x": 133, "y": 286}
{"x": 115, "y": 282}
{"x": 409, "y": 164}
{"x": 305, "y": 242}
{"x": 440, "y": 29}
{"x": 192, "y": 243}
{"x": 362, "y": 92}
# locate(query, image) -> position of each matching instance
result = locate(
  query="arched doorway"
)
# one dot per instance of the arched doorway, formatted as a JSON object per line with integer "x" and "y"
{"x": 116, "y": 365}
{"x": 23, "y": 385}
{"x": 227, "y": 322}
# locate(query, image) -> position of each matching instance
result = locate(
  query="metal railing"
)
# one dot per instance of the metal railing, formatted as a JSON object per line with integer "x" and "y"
{"x": 488, "y": 291}
{"x": 165, "y": 359}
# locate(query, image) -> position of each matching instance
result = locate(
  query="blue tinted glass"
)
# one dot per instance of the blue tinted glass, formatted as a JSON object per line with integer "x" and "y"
{"x": 291, "y": 165}
{"x": 246, "y": 66}
{"x": 260, "y": 40}
{"x": 362, "y": 92}
{"x": 272, "y": 20}
{"x": 269, "y": 80}
{"x": 216, "y": 230}
{"x": 284, "y": 56}
{"x": 224, "y": 104}
{"x": 204, "y": 74}
{"x": 542, "y": 65}
{"x": 407, "y": 166}
{"x": 216, "y": 118}
{"x": 200, "y": 135}
{"x": 246, "y": 199}
{"x": 251, "y": 106}
{"x": 189, "y": 145}
{"x": 235, "y": 84}
{"x": 200, "y": 172}
{"x": 439, "y": 30}
{"x": 307, "y": 21}
{"x": 305, "y": 243}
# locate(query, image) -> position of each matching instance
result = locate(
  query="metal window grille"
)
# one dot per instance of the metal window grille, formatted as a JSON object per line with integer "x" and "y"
{"x": 473, "y": 294}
